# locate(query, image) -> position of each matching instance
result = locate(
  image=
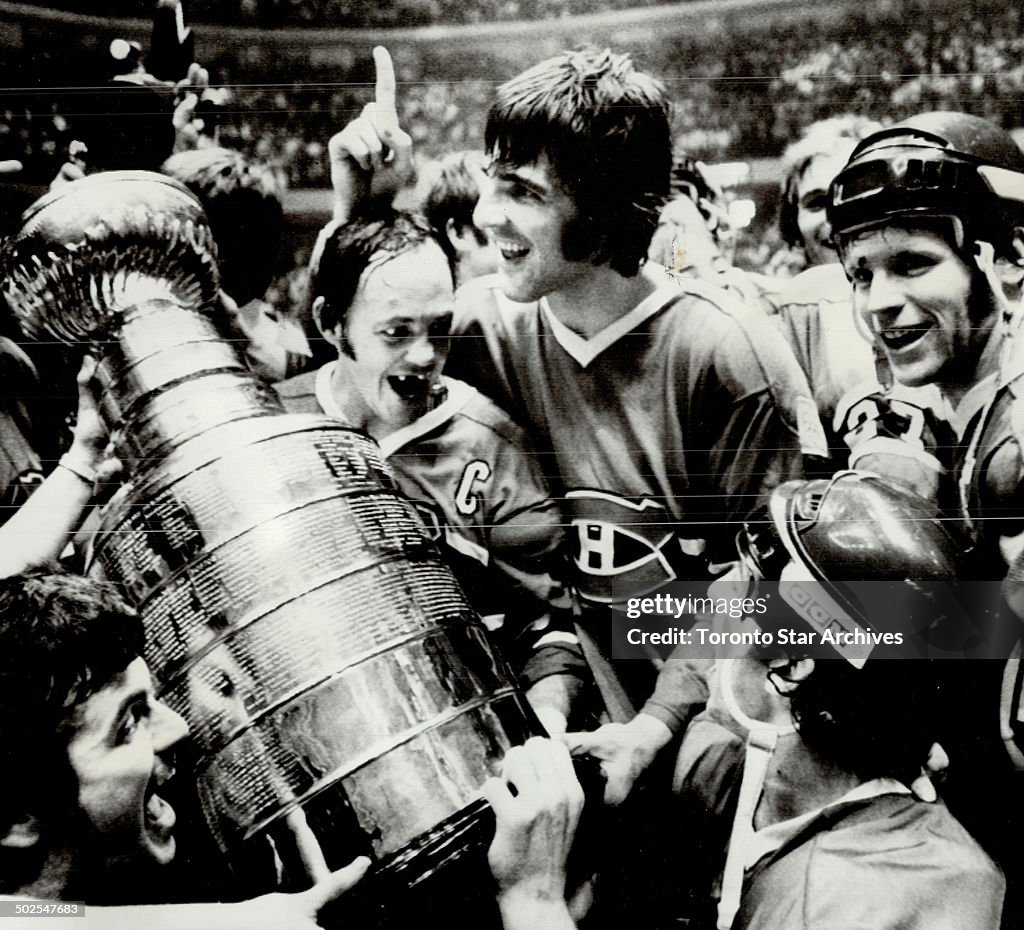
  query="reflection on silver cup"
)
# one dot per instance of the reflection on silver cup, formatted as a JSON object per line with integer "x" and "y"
{"x": 342, "y": 695}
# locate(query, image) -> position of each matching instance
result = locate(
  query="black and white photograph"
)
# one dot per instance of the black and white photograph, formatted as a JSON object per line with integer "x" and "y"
{"x": 511, "y": 465}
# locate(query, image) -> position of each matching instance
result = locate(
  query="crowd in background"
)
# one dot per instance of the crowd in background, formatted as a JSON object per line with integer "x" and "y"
{"x": 589, "y": 389}
{"x": 267, "y": 14}
{"x": 744, "y": 99}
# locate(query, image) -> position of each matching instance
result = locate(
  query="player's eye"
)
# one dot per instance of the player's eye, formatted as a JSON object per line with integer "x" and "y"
{"x": 514, "y": 189}
{"x": 522, "y": 192}
{"x": 814, "y": 201}
{"x": 130, "y": 724}
{"x": 910, "y": 264}
{"x": 859, "y": 275}
{"x": 396, "y": 333}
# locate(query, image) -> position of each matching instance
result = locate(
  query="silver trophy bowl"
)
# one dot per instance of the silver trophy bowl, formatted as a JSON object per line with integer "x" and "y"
{"x": 341, "y": 693}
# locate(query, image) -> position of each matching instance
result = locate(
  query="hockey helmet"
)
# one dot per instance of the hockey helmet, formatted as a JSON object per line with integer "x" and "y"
{"x": 939, "y": 164}
{"x": 859, "y": 557}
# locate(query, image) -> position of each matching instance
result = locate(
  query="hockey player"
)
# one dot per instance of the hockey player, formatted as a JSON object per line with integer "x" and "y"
{"x": 382, "y": 291}
{"x": 450, "y": 189}
{"x": 824, "y": 813}
{"x": 928, "y": 218}
{"x": 822, "y": 830}
{"x": 382, "y": 295}
{"x": 833, "y": 347}
{"x": 667, "y": 408}
{"x": 809, "y": 164}
{"x": 89, "y": 752}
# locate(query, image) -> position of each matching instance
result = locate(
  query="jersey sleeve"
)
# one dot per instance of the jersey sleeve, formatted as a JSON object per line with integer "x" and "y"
{"x": 506, "y": 491}
{"x": 681, "y": 690}
{"x": 760, "y": 424}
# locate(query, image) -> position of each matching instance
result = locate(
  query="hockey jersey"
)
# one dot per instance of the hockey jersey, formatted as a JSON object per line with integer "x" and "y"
{"x": 831, "y": 872}
{"x": 665, "y": 430}
{"x": 821, "y": 838}
{"x": 469, "y": 472}
{"x": 816, "y": 316}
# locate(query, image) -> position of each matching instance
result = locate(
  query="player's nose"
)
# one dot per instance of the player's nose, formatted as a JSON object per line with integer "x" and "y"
{"x": 489, "y": 213}
{"x": 422, "y": 353}
{"x": 885, "y": 297}
{"x": 168, "y": 727}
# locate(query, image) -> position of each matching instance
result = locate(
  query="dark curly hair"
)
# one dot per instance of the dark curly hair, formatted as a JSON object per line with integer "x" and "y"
{"x": 878, "y": 721}
{"x": 63, "y": 637}
{"x": 242, "y": 200}
{"x": 604, "y": 127}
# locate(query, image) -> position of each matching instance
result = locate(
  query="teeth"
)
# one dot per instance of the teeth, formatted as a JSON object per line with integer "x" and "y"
{"x": 511, "y": 250}
{"x": 163, "y": 775}
{"x": 901, "y": 338}
{"x": 410, "y": 386}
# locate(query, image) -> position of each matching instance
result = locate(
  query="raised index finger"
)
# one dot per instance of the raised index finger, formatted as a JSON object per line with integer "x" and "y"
{"x": 385, "y": 90}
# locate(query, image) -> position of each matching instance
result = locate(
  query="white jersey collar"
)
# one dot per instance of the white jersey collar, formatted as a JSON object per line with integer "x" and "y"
{"x": 459, "y": 394}
{"x": 584, "y": 351}
{"x": 324, "y": 397}
{"x": 770, "y": 839}
{"x": 961, "y": 416}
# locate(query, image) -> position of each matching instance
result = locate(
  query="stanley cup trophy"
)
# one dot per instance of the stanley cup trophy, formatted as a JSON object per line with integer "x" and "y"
{"x": 341, "y": 693}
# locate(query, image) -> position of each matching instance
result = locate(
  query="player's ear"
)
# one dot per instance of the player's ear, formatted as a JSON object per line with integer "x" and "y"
{"x": 23, "y": 833}
{"x": 1011, "y": 271}
{"x": 317, "y": 309}
{"x": 462, "y": 238}
{"x": 1015, "y": 273}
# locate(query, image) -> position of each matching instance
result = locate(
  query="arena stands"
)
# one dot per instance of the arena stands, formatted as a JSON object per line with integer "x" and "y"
{"x": 734, "y": 98}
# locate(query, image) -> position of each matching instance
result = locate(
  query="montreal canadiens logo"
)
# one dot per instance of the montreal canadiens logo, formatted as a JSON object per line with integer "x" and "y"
{"x": 618, "y": 545}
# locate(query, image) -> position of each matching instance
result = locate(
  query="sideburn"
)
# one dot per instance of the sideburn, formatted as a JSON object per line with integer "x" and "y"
{"x": 344, "y": 346}
{"x": 982, "y": 310}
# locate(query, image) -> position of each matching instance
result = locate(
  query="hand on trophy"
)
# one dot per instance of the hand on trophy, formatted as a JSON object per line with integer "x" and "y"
{"x": 537, "y": 803}
{"x": 295, "y": 911}
{"x": 372, "y": 156}
{"x": 91, "y": 444}
{"x": 45, "y": 524}
{"x": 625, "y": 751}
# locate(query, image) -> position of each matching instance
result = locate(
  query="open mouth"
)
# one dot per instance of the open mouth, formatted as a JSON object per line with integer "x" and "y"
{"x": 510, "y": 251}
{"x": 160, "y": 815}
{"x": 904, "y": 337}
{"x": 411, "y": 387}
